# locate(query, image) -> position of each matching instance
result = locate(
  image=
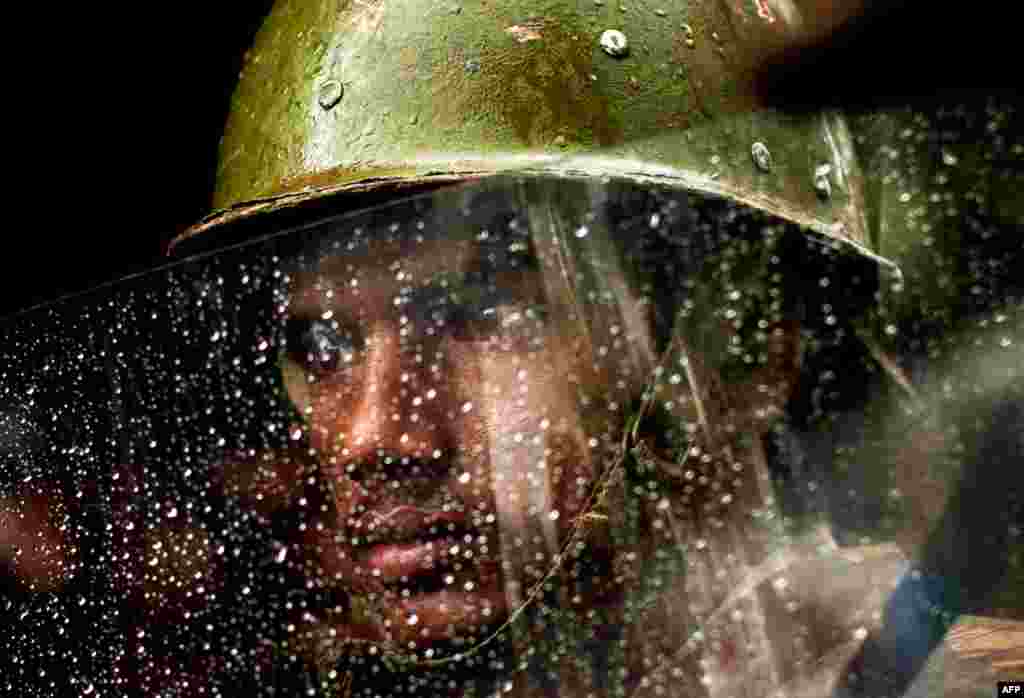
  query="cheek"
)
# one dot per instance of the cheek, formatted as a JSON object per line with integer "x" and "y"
{"x": 334, "y": 402}
{"x": 549, "y": 417}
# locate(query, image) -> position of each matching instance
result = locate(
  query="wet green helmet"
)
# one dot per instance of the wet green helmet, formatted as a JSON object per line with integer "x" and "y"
{"x": 365, "y": 98}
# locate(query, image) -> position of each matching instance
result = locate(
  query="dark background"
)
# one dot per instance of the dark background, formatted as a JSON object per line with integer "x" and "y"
{"x": 114, "y": 113}
{"x": 117, "y": 113}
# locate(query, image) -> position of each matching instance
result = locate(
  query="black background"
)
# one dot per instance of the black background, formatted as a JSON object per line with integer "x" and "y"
{"x": 114, "y": 112}
{"x": 117, "y": 112}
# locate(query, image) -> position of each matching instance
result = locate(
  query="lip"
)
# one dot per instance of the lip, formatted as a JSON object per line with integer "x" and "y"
{"x": 445, "y": 615}
{"x": 403, "y": 542}
{"x": 433, "y": 617}
{"x": 433, "y": 567}
{"x": 391, "y": 562}
{"x": 435, "y": 593}
{"x": 406, "y": 524}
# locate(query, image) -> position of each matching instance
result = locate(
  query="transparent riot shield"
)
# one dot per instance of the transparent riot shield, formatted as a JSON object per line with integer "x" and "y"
{"x": 525, "y": 437}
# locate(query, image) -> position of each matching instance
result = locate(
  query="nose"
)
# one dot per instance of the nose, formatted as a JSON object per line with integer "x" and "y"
{"x": 399, "y": 408}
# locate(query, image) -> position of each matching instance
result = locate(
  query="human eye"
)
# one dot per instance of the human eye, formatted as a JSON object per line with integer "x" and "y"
{"x": 323, "y": 346}
{"x": 483, "y": 306}
{"x": 508, "y": 323}
{"x": 518, "y": 317}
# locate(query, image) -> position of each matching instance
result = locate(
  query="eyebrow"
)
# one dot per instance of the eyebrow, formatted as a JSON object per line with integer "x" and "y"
{"x": 485, "y": 260}
{"x": 501, "y": 254}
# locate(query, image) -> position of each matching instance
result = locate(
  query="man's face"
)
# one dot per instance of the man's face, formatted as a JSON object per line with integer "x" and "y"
{"x": 472, "y": 452}
{"x": 460, "y": 421}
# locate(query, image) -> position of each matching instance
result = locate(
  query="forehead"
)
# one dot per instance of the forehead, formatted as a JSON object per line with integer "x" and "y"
{"x": 371, "y": 270}
{"x": 381, "y": 258}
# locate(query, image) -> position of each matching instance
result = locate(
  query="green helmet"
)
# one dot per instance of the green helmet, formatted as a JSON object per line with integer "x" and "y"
{"x": 360, "y": 98}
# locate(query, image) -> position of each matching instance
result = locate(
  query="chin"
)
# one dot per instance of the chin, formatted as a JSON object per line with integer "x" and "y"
{"x": 452, "y": 645}
{"x": 430, "y": 624}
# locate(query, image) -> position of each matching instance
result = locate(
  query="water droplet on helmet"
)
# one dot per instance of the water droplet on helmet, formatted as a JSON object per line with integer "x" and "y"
{"x": 614, "y": 43}
{"x": 331, "y": 92}
{"x": 822, "y": 183}
{"x": 762, "y": 157}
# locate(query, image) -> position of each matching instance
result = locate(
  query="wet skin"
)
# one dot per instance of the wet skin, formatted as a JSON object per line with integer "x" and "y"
{"x": 448, "y": 437}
